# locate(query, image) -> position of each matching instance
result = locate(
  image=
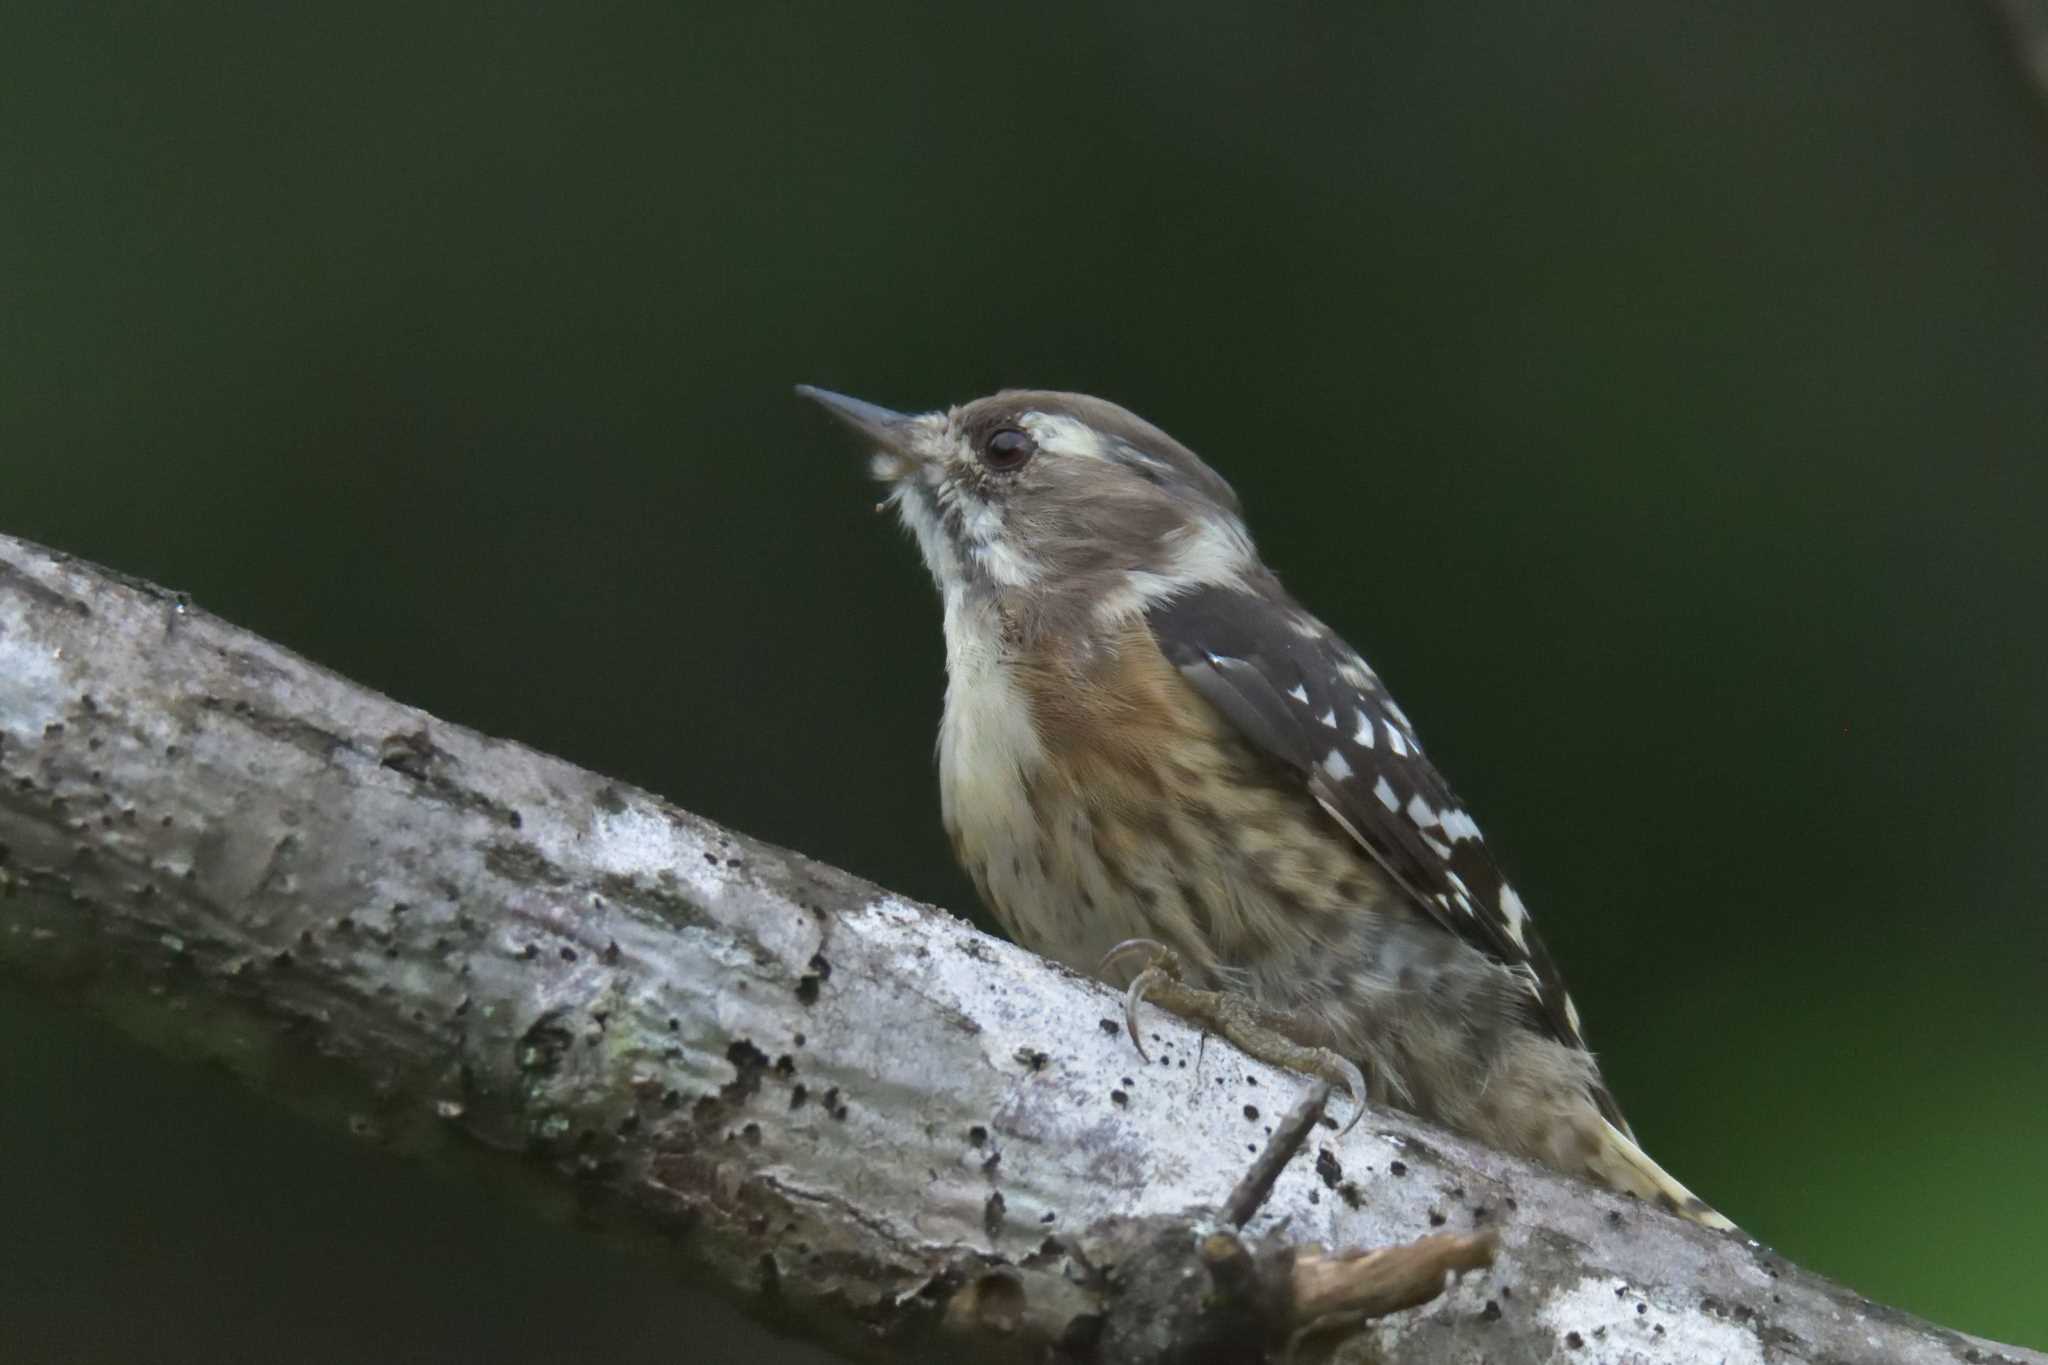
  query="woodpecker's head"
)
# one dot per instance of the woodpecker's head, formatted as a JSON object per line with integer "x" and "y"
{"x": 1065, "y": 510}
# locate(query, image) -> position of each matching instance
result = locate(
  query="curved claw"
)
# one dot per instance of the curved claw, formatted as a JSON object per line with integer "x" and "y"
{"x": 1151, "y": 946}
{"x": 1142, "y": 982}
{"x": 1354, "y": 1081}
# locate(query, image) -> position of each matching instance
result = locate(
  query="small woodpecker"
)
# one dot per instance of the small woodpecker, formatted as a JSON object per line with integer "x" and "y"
{"x": 1147, "y": 740}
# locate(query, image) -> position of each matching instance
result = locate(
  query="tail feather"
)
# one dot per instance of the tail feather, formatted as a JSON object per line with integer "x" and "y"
{"x": 1620, "y": 1164}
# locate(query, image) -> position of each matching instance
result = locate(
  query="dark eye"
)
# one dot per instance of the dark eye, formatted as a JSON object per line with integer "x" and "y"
{"x": 1008, "y": 449}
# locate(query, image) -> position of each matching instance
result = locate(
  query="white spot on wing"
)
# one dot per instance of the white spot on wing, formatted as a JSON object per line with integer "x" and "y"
{"x": 1362, "y": 736}
{"x": 1419, "y": 811}
{"x": 1396, "y": 743}
{"x": 1459, "y": 825}
{"x": 1336, "y": 766}
{"x": 1299, "y": 693}
{"x": 1329, "y": 718}
{"x": 1384, "y": 790}
{"x": 1515, "y": 914}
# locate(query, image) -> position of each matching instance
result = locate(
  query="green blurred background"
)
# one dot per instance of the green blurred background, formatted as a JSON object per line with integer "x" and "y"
{"x": 1658, "y": 395}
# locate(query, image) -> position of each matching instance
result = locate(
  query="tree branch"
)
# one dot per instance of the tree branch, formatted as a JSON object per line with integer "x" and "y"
{"x": 861, "y": 1117}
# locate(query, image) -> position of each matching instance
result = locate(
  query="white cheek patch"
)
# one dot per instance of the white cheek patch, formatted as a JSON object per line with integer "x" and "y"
{"x": 1211, "y": 551}
{"x": 993, "y": 552}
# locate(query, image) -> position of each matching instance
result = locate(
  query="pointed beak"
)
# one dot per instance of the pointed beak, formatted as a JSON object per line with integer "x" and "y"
{"x": 884, "y": 427}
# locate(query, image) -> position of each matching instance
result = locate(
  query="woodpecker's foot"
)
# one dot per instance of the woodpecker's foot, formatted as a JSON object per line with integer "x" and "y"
{"x": 1254, "y": 1029}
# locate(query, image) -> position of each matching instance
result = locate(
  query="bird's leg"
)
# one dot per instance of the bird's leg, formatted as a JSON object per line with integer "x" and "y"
{"x": 1254, "y": 1029}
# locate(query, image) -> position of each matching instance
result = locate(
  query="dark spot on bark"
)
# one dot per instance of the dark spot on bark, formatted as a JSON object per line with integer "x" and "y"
{"x": 543, "y": 1045}
{"x": 610, "y": 955}
{"x": 833, "y": 1106}
{"x": 748, "y": 1063}
{"x": 1574, "y": 1340}
{"x": 798, "y": 1093}
{"x": 1397, "y": 1168}
{"x": 1032, "y": 1058}
{"x": 977, "y": 1135}
{"x": 751, "y": 1135}
{"x": 771, "y": 1276}
{"x": 1436, "y": 1218}
{"x": 807, "y": 989}
{"x": 992, "y": 1213}
{"x": 674, "y": 1024}
{"x": 568, "y": 953}
{"x": 529, "y": 952}
{"x": 990, "y": 1162}
{"x": 1119, "y": 1097}
{"x": 819, "y": 965}
{"x": 1491, "y": 1312}
{"x": 785, "y": 1066}
{"x": 1251, "y": 1111}
{"x": 1353, "y": 1196}
{"x": 1329, "y": 1168}
{"x": 1110, "y": 1027}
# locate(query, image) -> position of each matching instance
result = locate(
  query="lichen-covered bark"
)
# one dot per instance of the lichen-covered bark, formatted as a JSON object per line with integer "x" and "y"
{"x": 856, "y": 1113}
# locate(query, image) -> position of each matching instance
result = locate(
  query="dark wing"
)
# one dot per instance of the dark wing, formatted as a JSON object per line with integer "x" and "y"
{"x": 1301, "y": 695}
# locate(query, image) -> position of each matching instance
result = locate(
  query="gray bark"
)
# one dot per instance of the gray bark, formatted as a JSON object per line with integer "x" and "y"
{"x": 865, "y": 1120}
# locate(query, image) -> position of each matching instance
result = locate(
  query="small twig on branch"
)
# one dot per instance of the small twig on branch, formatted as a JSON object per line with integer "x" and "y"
{"x": 1373, "y": 1284}
{"x": 1257, "y": 1183}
